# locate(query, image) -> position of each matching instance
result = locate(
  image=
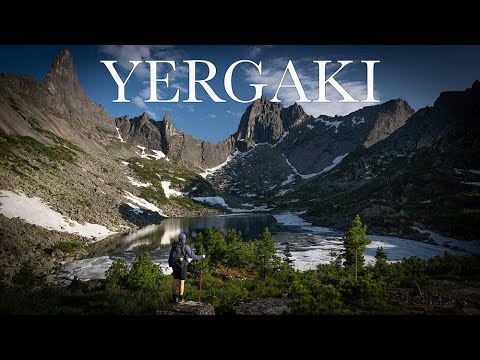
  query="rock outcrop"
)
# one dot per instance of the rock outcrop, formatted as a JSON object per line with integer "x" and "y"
{"x": 55, "y": 108}
{"x": 263, "y": 306}
{"x": 299, "y": 147}
{"x": 266, "y": 122}
{"x": 425, "y": 175}
{"x": 164, "y": 136}
{"x": 187, "y": 308}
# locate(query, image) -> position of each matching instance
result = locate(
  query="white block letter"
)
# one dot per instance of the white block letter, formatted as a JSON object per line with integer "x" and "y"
{"x": 322, "y": 81}
{"x": 154, "y": 80}
{"x": 192, "y": 80}
{"x": 370, "y": 69}
{"x": 228, "y": 81}
{"x": 116, "y": 77}
{"x": 296, "y": 81}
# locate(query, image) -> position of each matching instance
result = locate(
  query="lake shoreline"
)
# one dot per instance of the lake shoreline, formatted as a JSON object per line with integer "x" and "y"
{"x": 311, "y": 245}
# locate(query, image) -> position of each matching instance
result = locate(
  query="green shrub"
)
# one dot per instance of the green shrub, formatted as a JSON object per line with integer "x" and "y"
{"x": 224, "y": 297}
{"x": 25, "y": 279}
{"x": 365, "y": 293}
{"x": 327, "y": 301}
{"x": 144, "y": 274}
{"x": 68, "y": 246}
{"x": 153, "y": 194}
{"x": 116, "y": 274}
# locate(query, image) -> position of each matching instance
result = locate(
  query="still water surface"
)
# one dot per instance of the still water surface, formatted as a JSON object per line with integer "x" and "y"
{"x": 310, "y": 245}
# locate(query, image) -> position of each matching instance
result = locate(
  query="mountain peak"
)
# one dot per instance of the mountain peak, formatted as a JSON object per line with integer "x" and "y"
{"x": 398, "y": 105}
{"x": 266, "y": 121}
{"x": 63, "y": 63}
{"x": 62, "y": 78}
{"x": 169, "y": 128}
{"x": 144, "y": 118}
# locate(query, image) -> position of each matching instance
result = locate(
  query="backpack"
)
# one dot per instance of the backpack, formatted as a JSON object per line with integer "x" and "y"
{"x": 177, "y": 255}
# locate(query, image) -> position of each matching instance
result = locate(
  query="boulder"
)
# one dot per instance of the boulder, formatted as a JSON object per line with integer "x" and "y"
{"x": 263, "y": 306}
{"x": 57, "y": 252}
{"x": 187, "y": 308}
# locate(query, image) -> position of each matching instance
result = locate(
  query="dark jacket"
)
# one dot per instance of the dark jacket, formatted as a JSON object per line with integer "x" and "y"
{"x": 190, "y": 253}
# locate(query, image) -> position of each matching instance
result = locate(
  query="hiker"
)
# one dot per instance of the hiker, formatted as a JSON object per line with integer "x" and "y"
{"x": 180, "y": 267}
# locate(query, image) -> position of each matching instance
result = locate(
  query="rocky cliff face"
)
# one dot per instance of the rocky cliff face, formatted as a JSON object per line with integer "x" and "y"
{"x": 299, "y": 147}
{"x": 266, "y": 122}
{"x": 57, "y": 107}
{"x": 426, "y": 174}
{"x": 62, "y": 150}
{"x": 393, "y": 167}
{"x": 164, "y": 136}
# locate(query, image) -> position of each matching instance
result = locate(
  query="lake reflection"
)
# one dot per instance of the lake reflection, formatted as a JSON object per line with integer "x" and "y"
{"x": 310, "y": 245}
{"x": 156, "y": 237}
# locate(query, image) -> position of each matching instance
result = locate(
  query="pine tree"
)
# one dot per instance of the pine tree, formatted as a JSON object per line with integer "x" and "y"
{"x": 265, "y": 254}
{"x": 355, "y": 242}
{"x": 380, "y": 255}
{"x": 336, "y": 261}
{"x": 381, "y": 266}
{"x": 215, "y": 246}
{"x": 234, "y": 243}
{"x": 287, "y": 255}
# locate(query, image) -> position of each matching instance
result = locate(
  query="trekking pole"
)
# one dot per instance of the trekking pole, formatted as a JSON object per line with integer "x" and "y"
{"x": 201, "y": 272}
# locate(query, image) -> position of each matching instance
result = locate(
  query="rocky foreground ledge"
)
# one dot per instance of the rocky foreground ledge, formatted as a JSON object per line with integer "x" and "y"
{"x": 187, "y": 308}
{"x": 260, "y": 306}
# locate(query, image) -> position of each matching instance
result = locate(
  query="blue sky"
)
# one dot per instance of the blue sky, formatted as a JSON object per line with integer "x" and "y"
{"x": 415, "y": 73}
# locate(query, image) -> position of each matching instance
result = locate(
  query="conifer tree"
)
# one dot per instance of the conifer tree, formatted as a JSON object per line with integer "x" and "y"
{"x": 265, "y": 254}
{"x": 355, "y": 242}
{"x": 287, "y": 255}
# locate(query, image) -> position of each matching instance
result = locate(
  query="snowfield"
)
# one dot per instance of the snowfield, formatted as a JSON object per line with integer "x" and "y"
{"x": 170, "y": 192}
{"x": 137, "y": 182}
{"x": 35, "y": 211}
{"x": 335, "y": 162}
{"x": 330, "y": 124}
{"x": 311, "y": 245}
{"x": 141, "y": 204}
{"x": 210, "y": 171}
{"x": 157, "y": 154}
{"x": 119, "y": 136}
{"x": 217, "y": 200}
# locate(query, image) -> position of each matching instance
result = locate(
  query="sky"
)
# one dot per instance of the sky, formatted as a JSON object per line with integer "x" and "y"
{"x": 416, "y": 73}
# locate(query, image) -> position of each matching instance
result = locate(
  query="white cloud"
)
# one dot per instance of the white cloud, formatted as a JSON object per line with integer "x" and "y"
{"x": 152, "y": 115}
{"x": 307, "y": 71}
{"x": 234, "y": 114}
{"x": 256, "y": 50}
{"x": 125, "y": 53}
{"x": 212, "y": 116}
{"x": 145, "y": 93}
{"x": 137, "y": 100}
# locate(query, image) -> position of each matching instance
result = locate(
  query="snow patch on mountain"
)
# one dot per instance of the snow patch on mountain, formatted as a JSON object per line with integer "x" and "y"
{"x": 290, "y": 179}
{"x": 119, "y": 136}
{"x": 218, "y": 200}
{"x": 285, "y": 134}
{"x": 138, "y": 183}
{"x": 35, "y": 211}
{"x": 142, "y": 203}
{"x": 210, "y": 171}
{"x": 330, "y": 124}
{"x": 157, "y": 154}
{"x": 170, "y": 192}
{"x": 359, "y": 121}
{"x": 335, "y": 162}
